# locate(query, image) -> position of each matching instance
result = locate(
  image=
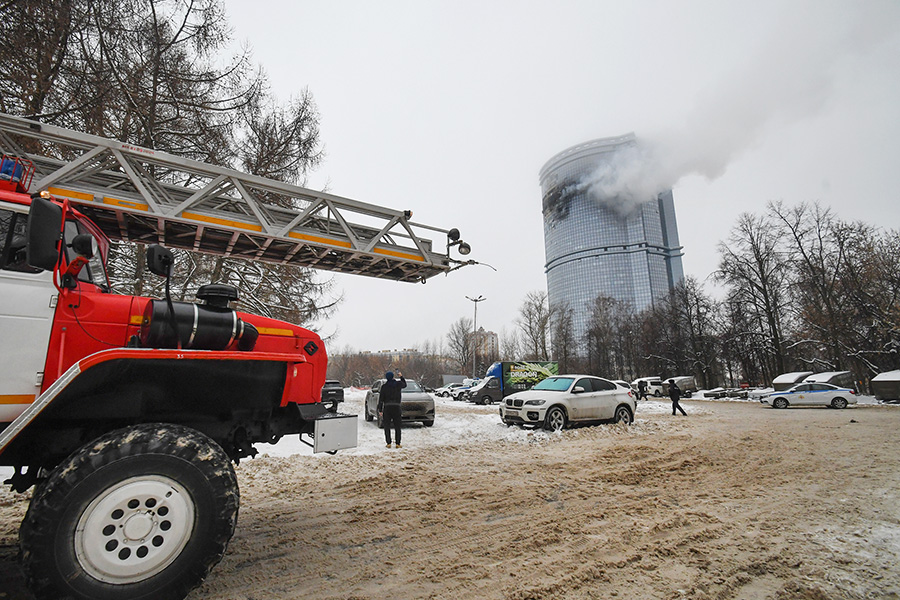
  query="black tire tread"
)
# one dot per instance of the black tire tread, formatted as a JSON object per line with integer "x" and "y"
{"x": 49, "y": 502}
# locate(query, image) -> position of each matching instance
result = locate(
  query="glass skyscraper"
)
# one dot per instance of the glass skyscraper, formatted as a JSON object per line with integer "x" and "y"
{"x": 603, "y": 245}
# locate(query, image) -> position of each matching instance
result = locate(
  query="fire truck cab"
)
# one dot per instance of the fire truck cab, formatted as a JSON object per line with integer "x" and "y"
{"x": 126, "y": 412}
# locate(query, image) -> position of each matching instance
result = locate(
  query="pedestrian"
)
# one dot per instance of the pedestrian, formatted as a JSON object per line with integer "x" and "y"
{"x": 675, "y": 395}
{"x": 642, "y": 389}
{"x": 389, "y": 399}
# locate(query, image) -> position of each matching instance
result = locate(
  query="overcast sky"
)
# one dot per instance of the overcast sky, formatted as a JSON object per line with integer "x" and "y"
{"x": 450, "y": 109}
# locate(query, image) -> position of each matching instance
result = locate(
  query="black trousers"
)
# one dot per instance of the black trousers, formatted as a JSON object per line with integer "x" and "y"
{"x": 678, "y": 406}
{"x": 391, "y": 414}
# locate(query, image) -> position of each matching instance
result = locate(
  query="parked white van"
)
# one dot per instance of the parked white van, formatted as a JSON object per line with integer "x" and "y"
{"x": 654, "y": 386}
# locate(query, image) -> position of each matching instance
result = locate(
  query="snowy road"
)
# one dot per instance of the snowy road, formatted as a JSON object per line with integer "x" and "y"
{"x": 455, "y": 423}
{"x": 737, "y": 500}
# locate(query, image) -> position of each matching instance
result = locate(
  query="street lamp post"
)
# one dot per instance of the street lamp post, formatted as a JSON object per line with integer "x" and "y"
{"x": 475, "y": 332}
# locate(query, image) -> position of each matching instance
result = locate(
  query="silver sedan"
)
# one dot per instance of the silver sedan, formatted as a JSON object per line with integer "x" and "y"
{"x": 811, "y": 394}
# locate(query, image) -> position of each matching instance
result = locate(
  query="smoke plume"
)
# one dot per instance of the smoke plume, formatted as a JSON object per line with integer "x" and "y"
{"x": 791, "y": 78}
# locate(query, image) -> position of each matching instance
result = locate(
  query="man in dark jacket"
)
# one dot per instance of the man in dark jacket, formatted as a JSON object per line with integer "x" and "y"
{"x": 675, "y": 395}
{"x": 389, "y": 399}
{"x": 642, "y": 389}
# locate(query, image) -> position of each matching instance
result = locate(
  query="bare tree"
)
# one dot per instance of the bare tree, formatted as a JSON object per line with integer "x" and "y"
{"x": 818, "y": 241}
{"x": 565, "y": 344}
{"x": 756, "y": 270}
{"x": 510, "y": 346}
{"x": 459, "y": 343}
{"x": 744, "y": 346}
{"x": 37, "y": 39}
{"x": 606, "y": 337}
{"x": 870, "y": 288}
{"x": 534, "y": 323}
{"x": 695, "y": 316}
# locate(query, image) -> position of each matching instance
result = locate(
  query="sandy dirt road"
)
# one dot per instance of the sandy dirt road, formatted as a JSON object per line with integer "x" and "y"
{"x": 734, "y": 501}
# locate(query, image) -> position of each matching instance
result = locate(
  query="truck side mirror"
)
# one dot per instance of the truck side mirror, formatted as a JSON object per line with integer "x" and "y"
{"x": 159, "y": 260}
{"x": 43, "y": 233}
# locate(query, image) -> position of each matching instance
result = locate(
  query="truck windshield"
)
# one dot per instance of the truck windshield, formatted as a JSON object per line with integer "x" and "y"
{"x": 93, "y": 272}
{"x": 554, "y": 384}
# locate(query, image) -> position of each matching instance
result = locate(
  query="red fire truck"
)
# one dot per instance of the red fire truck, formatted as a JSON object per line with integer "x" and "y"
{"x": 126, "y": 413}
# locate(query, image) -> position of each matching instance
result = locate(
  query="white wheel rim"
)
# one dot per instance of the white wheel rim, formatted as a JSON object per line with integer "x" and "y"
{"x": 134, "y": 529}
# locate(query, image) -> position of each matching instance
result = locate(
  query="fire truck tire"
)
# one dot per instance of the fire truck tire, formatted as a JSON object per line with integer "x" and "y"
{"x": 143, "y": 512}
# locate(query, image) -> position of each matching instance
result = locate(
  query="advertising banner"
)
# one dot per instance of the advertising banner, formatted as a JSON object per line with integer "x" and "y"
{"x": 519, "y": 376}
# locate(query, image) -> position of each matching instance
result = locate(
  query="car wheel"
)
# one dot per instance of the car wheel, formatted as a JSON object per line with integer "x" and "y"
{"x": 657, "y": 393}
{"x": 486, "y": 399}
{"x": 779, "y": 403}
{"x": 623, "y": 415}
{"x": 143, "y": 512}
{"x": 369, "y": 416}
{"x": 555, "y": 419}
{"x": 428, "y": 423}
{"x": 838, "y": 403}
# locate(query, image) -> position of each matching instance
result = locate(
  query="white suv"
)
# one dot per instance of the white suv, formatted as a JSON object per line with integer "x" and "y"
{"x": 446, "y": 390}
{"x": 557, "y": 401}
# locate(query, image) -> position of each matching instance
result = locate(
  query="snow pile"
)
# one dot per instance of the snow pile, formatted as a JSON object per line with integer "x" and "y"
{"x": 457, "y": 423}
{"x": 462, "y": 423}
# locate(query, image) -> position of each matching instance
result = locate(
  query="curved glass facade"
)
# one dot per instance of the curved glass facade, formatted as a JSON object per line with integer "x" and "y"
{"x": 594, "y": 246}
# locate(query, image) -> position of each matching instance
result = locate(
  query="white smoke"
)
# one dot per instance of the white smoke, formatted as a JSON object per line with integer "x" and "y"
{"x": 791, "y": 78}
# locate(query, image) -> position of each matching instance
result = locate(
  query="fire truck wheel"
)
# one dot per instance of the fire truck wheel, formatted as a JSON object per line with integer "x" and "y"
{"x": 143, "y": 512}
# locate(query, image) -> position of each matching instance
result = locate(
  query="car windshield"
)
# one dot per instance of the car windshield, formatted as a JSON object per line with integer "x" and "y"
{"x": 554, "y": 384}
{"x": 411, "y": 386}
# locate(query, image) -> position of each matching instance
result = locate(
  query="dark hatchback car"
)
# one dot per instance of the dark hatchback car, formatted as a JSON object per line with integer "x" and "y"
{"x": 416, "y": 404}
{"x": 332, "y": 393}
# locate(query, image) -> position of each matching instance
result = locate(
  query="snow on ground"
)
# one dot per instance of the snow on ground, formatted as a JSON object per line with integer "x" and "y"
{"x": 458, "y": 423}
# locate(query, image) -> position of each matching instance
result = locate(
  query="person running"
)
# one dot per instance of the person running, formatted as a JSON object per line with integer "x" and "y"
{"x": 675, "y": 395}
{"x": 389, "y": 400}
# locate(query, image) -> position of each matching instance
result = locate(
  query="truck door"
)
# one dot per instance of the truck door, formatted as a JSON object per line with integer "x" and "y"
{"x": 27, "y": 303}
{"x": 493, "y": 389}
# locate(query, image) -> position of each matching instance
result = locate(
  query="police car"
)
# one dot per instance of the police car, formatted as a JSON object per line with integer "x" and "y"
{"x": 811, "y": 394}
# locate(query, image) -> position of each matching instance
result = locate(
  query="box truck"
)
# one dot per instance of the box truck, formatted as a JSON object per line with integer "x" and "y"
{"x": 503, "y": 378}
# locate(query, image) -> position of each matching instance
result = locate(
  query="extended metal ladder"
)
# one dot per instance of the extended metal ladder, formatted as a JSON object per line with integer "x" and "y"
{"x": 147, "y": 196}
